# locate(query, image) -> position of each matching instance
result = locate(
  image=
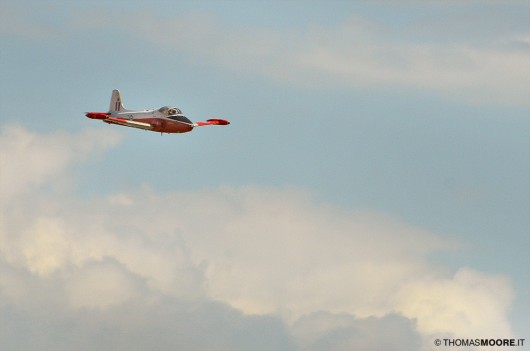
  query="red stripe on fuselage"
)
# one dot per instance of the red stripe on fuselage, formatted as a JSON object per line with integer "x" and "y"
{"x": 163, "y": 125}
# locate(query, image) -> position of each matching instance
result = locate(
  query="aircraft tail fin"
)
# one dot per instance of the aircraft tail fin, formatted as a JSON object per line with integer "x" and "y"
{"x": 115, "y": 102}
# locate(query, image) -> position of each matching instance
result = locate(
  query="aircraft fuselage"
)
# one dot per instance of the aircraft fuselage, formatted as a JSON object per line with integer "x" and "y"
{"x": 158, "y": 122}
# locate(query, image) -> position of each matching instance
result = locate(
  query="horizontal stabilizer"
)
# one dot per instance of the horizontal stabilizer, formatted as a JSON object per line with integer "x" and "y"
{"x": 214, "y": 122}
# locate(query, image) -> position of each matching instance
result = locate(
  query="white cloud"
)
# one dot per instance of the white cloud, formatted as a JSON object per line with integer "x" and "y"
{"x": 468, "y": 296}
{"x": 29, "y": 159}
{"x": 143, "y": 261}
{"x": 265, "y": 239}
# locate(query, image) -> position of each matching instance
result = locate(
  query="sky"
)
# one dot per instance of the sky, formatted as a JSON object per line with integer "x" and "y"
{"x": 371, "y": 192}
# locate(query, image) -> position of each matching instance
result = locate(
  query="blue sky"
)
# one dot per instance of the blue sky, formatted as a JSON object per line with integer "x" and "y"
{"x": 364, "y": 134}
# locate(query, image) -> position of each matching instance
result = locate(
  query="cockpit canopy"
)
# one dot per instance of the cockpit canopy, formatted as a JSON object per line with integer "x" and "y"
{"x": 170, "y": 111}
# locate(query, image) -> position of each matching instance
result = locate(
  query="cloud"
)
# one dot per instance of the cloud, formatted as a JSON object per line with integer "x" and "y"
{"x": 166, "y": 324}
{"x": 468, "y": 296}
{"x": 422, "y": 66}
{"x": 227, "y": 268}
{"x": 271, "y": 236}
{"x": 357, "y": 53}
{"x": 478, "y": 55}
{"x": 474, "y": 55}
{"x": 29, "y": 160}
{"x": 327, "y": 331}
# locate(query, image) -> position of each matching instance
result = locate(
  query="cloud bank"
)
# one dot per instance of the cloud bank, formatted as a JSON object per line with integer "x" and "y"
{"x": 231, "y": 268}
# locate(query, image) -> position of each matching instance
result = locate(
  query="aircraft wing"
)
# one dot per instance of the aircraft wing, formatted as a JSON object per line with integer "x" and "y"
{"x": 128, "y": 123}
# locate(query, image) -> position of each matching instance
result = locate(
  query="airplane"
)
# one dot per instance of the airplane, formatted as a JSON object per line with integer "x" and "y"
{"x": 164, "y": 120}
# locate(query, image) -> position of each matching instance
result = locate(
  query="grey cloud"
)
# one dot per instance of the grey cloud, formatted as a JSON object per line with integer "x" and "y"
{"x": 37, "y": 313}
{"x": 43, "y": 320}
{"x": 322, "y": 331}
{"x": 168, "y": 324}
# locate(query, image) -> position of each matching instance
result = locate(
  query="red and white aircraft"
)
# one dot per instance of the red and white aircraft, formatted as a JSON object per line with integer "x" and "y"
{"x": 164, "y": 120}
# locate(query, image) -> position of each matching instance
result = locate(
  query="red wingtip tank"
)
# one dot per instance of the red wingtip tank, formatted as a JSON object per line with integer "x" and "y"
{"x": 214, "y": 121}
{"x": 97, "y": 115}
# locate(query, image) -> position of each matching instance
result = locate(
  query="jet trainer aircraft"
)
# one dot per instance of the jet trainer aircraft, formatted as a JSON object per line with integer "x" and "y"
{"x": 164, "y": 120}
